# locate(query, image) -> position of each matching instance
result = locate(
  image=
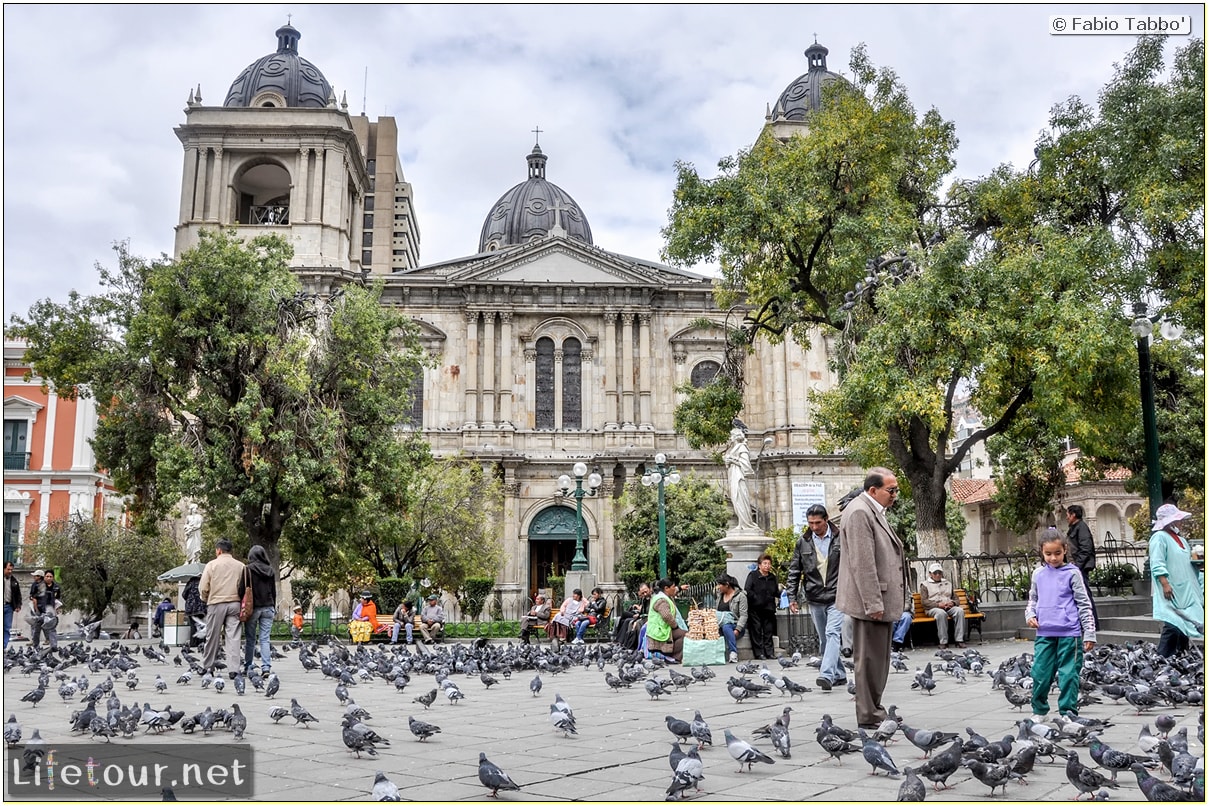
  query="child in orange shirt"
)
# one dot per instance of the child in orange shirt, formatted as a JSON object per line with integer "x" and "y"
{"x": 296, "y": 628}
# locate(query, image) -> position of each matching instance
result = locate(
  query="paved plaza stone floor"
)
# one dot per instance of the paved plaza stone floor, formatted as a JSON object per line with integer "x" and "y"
{"x": 621, "y": 750}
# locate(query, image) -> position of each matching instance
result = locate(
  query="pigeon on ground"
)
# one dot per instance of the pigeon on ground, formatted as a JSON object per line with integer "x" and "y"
{"x": 927, "y": 740}
{"x": 701, "y": 731}
{"x": 743, "y": 752}
{"x": 654, "y": 688}
{"x": 384, "y": 790}
{"x": 277, "y": 713}
{"x": 794, "y": 689}
{"x": 535, "y": 685}
{"x": 1164, "y": 723}
{"x": 421, "y": 730}
{"x": 1085, "y": 779}
{"x": 561, "y": 721}
{"x": 911, "y": 790}
{"x": 300, "y": 714}
{"x": 682, "y": 730}
{"x": 1110, "y": 758}
{"x": 614, "y": 682}
{"x": 238, "y": 722}
{"x": 562, "y": 706}
{"x": 834, "y": 744}
{"x": 487, "y": 680}
{"x": 938, "y": 768}
{"x": 272, "y": 686}
{"x": 877, "y": 755}
{"x": 426, "y": 699}
{"x": 674, "y": 757}
{"x": 990, "y": 773}
{"x": 34, "y": 697}
{"x": 1157, "y": 790}
{"x": 688, "y": 773}
{"x": 356, "y": 741}
{"x": 1147, "y": 742}
{"x": 12, "y": 731}
{"x": 924, "y": 681}
{"x": 453, "y": 693}
{"x": 493, "y": 777}
{"x": 779, "y": 733}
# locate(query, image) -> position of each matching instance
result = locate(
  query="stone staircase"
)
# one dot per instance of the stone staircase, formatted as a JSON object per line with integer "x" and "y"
{"x": 1123, "y": 619}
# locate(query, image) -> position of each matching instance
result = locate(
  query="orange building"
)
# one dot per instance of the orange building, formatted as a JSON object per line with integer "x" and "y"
{"x": 50, "y": 471}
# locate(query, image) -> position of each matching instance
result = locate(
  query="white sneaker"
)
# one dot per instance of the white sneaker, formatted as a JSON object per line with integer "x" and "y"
{"x": 734, "y": 657}
{"x": 578, "y": 641}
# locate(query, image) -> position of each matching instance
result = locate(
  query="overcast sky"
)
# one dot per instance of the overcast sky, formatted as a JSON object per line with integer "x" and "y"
{"x": 92, "y": 95}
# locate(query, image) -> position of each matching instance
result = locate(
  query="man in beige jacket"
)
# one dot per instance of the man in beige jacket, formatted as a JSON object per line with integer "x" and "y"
{"x": 219, "y": 589}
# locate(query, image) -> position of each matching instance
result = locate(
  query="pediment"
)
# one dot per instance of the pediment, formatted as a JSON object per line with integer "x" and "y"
{"x": 556, "y": 261}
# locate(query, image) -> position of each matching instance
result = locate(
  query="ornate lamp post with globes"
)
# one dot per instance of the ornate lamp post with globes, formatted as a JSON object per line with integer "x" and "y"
{"x": 1143, "y": 328}
{"x": 658, "y": 475}
{"x": 580, "y": 561}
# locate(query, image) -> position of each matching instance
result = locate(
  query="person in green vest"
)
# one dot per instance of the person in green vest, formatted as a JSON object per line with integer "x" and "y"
{"x": 664, "y": 638}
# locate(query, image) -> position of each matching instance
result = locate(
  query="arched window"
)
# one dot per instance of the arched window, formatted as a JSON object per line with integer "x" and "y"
{"x": 544, "y": 393}
{"x": 572, "y": 369}
{"x": 704, "y": 373}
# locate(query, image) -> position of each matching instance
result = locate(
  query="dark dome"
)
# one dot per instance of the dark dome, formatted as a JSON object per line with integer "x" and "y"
{"x": 805, "y": 94}
{"x": 531, "y": 210}
{"x": 284, "y": 74}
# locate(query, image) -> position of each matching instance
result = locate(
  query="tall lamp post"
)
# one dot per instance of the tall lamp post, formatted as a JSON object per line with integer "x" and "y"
{"x": 659, "y": 475}
{"x": 580, "y": 561}
{"x": 1143, "y": 327}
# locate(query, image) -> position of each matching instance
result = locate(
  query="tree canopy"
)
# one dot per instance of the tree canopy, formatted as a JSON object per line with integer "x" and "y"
{"x": 219, "y": 379}
{"x": 696, "y": 514}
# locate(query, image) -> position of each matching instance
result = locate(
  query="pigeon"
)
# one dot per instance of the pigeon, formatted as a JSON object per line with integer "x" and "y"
{"x": 674, "y": 757}
{"x": 356, "y": 741}
{"x": 300, "y": 714}
{"x": 160, "y": 683}
{"x": 33, "y": 752}
{"x": 238, "y": 722}
{"x": 654, "y": 688}
{"x": 12, "y": 731}
{"x": 562, "y": 706}
{"x": 560, "y": 721}
{"x": 701, "y": 731}
{"x": 739, "y": 693}
{"x": 493, "y": 777}
{"x": 34, "y": 697}
{"x": 241, "y": 684}
{"x": 688, "y": 773}
{"x": 426, "y": 699}
{"x": 779, "y": 733}
{"x": 682, "y": 730}
{"x": 1155, "y": 789}
{"x": 927, "y": 740}
{"x": 743, "y": 752}
{"x": 794, "y": 689}
{"x": 384, "y": 790}
{"x": 277, "y": 713}
{"x": 168, "y": 794}
{"x": 1017, "y": 697}
{"x": 421, "y": 730}
{"x": 1085, "y": 779}
{"x": 1164, "y": 723}
{"x": 535, "y": 685}
{"x": 924, "y": 681}
{"x": 990, "y": 773}
{"x": 1110, "y": 758}
{"x": 1147, "y": 742}
{"x": 614, "y": 682}
{"x": 487, "y": 680}
{"x": 454, "y": 694}
{"x": 938, "y": 768}
{"x": 911, "y": 790}
{"x": 877, "y": 755}
{"x": 272, "y": 686}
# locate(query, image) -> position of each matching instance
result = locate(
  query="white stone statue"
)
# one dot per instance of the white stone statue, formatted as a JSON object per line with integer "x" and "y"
{"x": 193, "y": 534}
{"x": 738, "y": 471}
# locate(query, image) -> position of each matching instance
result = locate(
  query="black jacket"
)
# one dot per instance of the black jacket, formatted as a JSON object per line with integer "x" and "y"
{"x": 264, "y": 579}
{"x": 45, "y": 595}
{"x": 804, "y": 570}
{"x": 1082, "y": 546}
{"x": 14, "y": 589}
{"x": 763, "y": 593}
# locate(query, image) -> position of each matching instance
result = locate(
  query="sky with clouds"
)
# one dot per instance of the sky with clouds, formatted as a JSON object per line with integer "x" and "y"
{"x": 92, "y": 95}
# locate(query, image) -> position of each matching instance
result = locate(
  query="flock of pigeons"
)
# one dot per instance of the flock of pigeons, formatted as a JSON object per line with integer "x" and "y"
{"x": 92, "y": 678}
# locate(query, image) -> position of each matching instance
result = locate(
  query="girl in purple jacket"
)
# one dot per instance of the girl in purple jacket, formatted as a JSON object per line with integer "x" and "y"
{"x": 1060, "y": 610}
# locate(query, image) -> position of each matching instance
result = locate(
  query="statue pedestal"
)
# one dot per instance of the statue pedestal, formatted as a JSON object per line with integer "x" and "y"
{"x": 584, "y": 580}
{"x": 743, "y": 546}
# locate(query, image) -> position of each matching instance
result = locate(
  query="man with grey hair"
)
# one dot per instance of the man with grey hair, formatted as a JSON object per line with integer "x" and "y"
{"x": 936, "y": 596}
{"x": 537, "y": 617}
{"x": 219, "y": 589}
{"x": 872, "y": 589}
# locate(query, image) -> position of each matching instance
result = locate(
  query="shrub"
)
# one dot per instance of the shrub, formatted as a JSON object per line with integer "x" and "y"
{"x": 1113, "y": 575}
{"x": 303, "y": 591}
{"x": 475, "y": 591}
{"x": 558, "y": 588}
{"x": 392, "y": 591}
{"x": 632, "y": 579}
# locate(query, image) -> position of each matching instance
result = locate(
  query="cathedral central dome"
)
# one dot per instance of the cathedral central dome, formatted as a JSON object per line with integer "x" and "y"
{"x": 281, "y": 79}
{"x": 532, "y": 210}
{"x": 805, "y": 94}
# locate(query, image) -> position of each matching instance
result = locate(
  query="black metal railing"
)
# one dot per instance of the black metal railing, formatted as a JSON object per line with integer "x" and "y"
{"x": 16, "y": 461}
{"x": 269, "y": 214}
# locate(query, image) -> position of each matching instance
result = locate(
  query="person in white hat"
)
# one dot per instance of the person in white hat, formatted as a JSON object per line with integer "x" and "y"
{"x": 936, "y": 595}
{"x": 1177, "y": 597}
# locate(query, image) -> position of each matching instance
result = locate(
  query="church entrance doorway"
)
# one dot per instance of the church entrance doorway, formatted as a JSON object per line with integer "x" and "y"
{"x": 551, "y": 548}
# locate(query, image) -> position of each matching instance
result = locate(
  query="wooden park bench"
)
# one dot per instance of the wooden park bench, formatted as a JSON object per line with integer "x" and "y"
{"x": 973, "y": 617}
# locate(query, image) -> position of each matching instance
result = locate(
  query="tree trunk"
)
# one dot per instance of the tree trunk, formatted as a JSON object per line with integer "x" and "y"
{"x": 925, "y": 469}
{"x": 931, "y": 536}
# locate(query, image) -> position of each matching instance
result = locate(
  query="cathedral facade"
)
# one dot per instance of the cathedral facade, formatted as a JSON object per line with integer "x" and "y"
{"x": 549, "y": 349}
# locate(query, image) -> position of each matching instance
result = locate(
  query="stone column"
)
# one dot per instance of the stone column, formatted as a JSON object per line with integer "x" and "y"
{"x": 212, "y": 212}
{"x": 528, "y": 416}
{"x": 610, "y": 370}
{"x": 189, "y": 185}
{"x": 644, "y": 369}
{"x": 488, "y": 383}
{"x": 471, "y": 371}
{"x": 199, "y": 186}
{"x": 585, "y": 389}
{"x": 507, "y": 379}
{"x": 298, "y": 205}
{"x": 626, "y": 416}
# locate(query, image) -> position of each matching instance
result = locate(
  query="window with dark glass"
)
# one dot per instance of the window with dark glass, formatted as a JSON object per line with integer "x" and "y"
{"x": 369, "y": 204}
{"x": 544, "y": 398}
{"x": 572, "y": 370}
{"x": 704, "y": 373}
{"x": 415, "y": 418}
{"x": 367, "y": 238}
{"x": 368, "y": 221}
{"x": 367, "y": 257}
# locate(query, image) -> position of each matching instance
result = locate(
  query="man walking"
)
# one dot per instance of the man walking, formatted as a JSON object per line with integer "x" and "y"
{"x": 1083, "y": 551}
{"x": 45, "y": 597}
{"x": 12, "y": 600}
{"x": 872, "y": 588}
{"x": 936, "y": 596}
{"x": 815, "y": 568}
{"x": 219, "y": 589}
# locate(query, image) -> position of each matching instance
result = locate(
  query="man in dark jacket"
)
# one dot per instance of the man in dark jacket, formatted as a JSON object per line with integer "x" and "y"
{"x": 1083, "y": 550}
{"x": 12, "y": 600}
{"x": 45, "y": 596}
{"x": 815, "y": 569}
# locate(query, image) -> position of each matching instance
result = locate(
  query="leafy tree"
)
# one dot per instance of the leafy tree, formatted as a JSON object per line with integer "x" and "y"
{"x": 444, "y": 524}
{"x": 696, "y": 515}
{"x": 220, "y": 380}
{"x": 103, "y": 564}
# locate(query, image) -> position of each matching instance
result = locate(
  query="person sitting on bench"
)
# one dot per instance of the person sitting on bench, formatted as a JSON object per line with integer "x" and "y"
{"x": 593, "y": 611}
{"x": 536, "y": 619}
{"x": 936, "y": 595}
